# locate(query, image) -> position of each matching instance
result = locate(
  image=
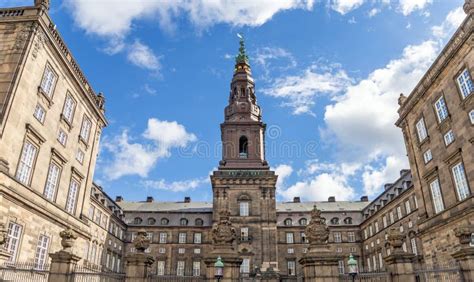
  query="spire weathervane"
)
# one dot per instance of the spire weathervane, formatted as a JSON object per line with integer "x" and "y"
{"x": 242, "y": 56}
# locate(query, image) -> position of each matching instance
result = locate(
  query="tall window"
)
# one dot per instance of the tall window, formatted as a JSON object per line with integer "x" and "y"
{"x": 48, "y": 81}
{"x": 291, "y": 268}
{"x": 384, "y": 219}
{"x": 449, "y": 137}
{"x": 85, "y": 129}
{"x": 244, "y": 234}
{"x": 39, "y": 113}
{"x": 421, "y": 130}
{"x": 244, "y": 208}
{"x": 380, "y": 260}
{"x": 52, "y": 181}
{"x": 376, "y": 227}
{"x": 25, "y": 166}
{"x": 392, "y": 217}
{"x": 408, "y": 207}
{"x": 303, "y": 237}
{"x": 160, "y": 267}
{"x": 243, "y": 147}
{"x": 465, "y": 83}
{"x": 460, "y": 180}
{"x": 163, "y": 237}
{"x": 427, "y": 156}
{"x": 180, "y": 268}
{"x": 413, "y": 246}
{"x": 471, "y": 116}
{"x": 441, "y": 109}
{"x": 245, "y": 266}
{"x": 72, "y": 196}
{"x": 182, "y": 238}
{"x": 337, "y": 237}
{"x": 437, "y": 197}
{"x": 289, "y": 238}
{"x": 340, "y": 266}
{"x": 197, "y": 238}
{"x": 196, "y": 268}
{"x": 399, "y": 212}
{"x": 41, "y": 251}
{"x": 62, "y": 137}
{"x": 68, "y": 110}
{"x": 13, "y": 240}
{"x": 351, "y": 236}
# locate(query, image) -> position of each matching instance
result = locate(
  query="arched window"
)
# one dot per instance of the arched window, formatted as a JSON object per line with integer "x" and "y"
{"x": 199, "y": 222}
{"x": 303, "y": 221}
{"x": 164, "y": 221}
{"x": 348, "y": 220}
{"x": 183, "y": 222}
{"x": 335, "y": 220}
{"x": 151, "y": 221}
{"x": 243, "y": 147}
{"x": 288, "y": 222}
{"x": 137, "y": 220}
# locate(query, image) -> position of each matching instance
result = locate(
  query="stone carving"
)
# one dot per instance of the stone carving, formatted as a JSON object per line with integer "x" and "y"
{"x": 223, "y": 233}
{"x": 68, "y": 237}
{"x": 464, "y": 234}
{"x": 3, "y": 235}
{"x": 141, "y": 241}
{"x": 395, "y": 239}
{"x": 39, "y": 42}
{"x": 317, "y": 231}
{"x": 468, "y": 7}
{"x": 100, "y": 101}
{"x": 401, "y": 99}
{"x": 42, "y": 4}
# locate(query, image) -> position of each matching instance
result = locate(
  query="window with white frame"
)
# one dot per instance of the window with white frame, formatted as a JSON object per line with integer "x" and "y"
{"x": 460, "y": 181}
{"x": 180, "y": 268}
{"x": 351, "y": 236}
{"x": 69, "y": 107}
{"x": 338, "y": 250}
{"x": 384, "y": 220}
{"x": 471, "y": 116}
{"x": 48, "y": 82}
{"x": 72, "y": 196}
{"x": 337, "y": 237}
{"x": 244, "y": 233}
{"x": 182, "y": 238}
{"x": 369, "y": 268}
{"x": 441, "y": 109}
{"x": 13, "y": 240}
{"x": 371, "y": 230}
{"x": 245, "y": 266}
{"x": 421, "y": 130}
{"x": 244, "y": 208}
{"x": 39, "y": 113}
{"x": 374, "y": 260}
{"x": 197, "y": 250}
{"x": 181, "y": 250}
{"x": 162, "y": 250}
{"x": 380, "y": 260}
{"x": 163, "y": 237}
{"x": 392, "y": 217}
{"x": 41, "y": 252}
{"x": 365, "y": 233}
{"x": 289, "y": 238}
{"x": 427, "y": 156}
{"x": 52, "y": 181}
{"x": 376, "y": 227}
{"x": 449, "y": 137}
{"x": 408, "y": 207}
{"x": 404, "y": 247}
{"x": 85, "y": 129}
{"x": 465, "y": 83}
{"x": 436, "y": 195}
{"x": 416, "y": 201}
{"x": 197, "y": 238}
{"x": 62, "y": 137}
{"x": 303, "y": 237}
{"x": 25, "y": 165}
{"x": 399, "y": 212}
{"x": 401, "y": 228}
{"x": 160, "y": 270}
{"x": 340, "y": 266}
{"x": 414, "y": 248}
{"x": 291, "y": 250}
{"x": 80, "y": 156}
{"x": 410, "y": 224}
{"x": 196, "y": 268}
{"x": 291, "y": 268}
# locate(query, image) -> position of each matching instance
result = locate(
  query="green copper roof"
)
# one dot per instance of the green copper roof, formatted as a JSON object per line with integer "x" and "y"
{"x": 242, "y": 56}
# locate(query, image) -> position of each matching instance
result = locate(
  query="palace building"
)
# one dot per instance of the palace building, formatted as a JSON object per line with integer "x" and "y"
{"x": 50, "y": 125}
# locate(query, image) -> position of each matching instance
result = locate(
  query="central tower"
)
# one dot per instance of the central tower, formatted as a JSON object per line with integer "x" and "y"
{"x": 244, "y": 185}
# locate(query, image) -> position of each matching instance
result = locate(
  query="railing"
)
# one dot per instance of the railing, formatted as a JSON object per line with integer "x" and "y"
{"x": 450, "y": 272}
{"x": 85, "y": 273}
{"x": 24, "y": 272}
{"x": 187, "y": 274}
{"x": 11, "y": 13}
{"x": 367, "y": 277}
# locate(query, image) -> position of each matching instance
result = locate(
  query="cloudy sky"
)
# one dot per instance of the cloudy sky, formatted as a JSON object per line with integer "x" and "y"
{"x": 328, "y": 74}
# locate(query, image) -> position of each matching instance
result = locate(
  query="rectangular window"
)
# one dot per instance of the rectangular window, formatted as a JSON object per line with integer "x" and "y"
{"x": 436, "y": 194}
{"x": 392, "y": 217}
{"x": 160, "y": 267}
{"x": 163, "y": 237}
{"x": 371, "y": 230}
{"x": 69, "y": 107}
{"x": 291, "y": 268}
{"x": 376, "y": 227}
{"x": 399, "y": 212}
{"x": 39, "y": 113}
{"x": 196, "y": 268}
{"x": 340, "y": 266}
{"x": 465, "y": 83}
{"x": 471, "y": 116}
{"x": 182, "y": 238}
{"x": 48, "y": 81}
{"x": 197, "y": 251}
{"x": 98, "y": 215}
{"x": 62, "y": 137}
{"x": 197, "y": 238}
{"x": 338, "y": 250}
{"x": 337, "y": 237}
{"x": 289, "y": 238}
{"x": 380, "y": 260}
{"x": 91, "y": 212}
{"x": 427, "y": 156}
{"x": 244, "y": 234}
{"x": 365, "y": 233}
{"x": 460, "y": 181}
{"x": 404, "y": 247}
{"x": 416, "y": 201}
{"x": 180, "y": 268}
{"x": 85, "y": 129}
{"x": 351, "y": 236}
{"x": 80, "y": 156}
{"x": 441, "y": 109}
{"x": 408, "y": 207}
{"x": 13, "y": 240}
{"x": 421, "y": 130}
{"x": 245, "y": 266}
{"x": 413, "y": 246}
{"x": 25, "y": 166}
{"x": 244, "y": 208}
{"x": 291, "y": 250}
{"x": 52, "y": 181}
{"x": 72, "y": 196}
{"x": 181, "y": 250}
{"x": 303, "y": 237}
{"x": 384, "y": 220}
{"x": 449, "y": 137}
{"x": 374, "y": 260}
{"x": 161, "y": 250}
{"x": 369, "y": 268}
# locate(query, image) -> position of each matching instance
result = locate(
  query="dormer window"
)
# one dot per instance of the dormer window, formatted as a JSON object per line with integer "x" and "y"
{"x": 137, "y": 220}
{"x": 348, "y": 220}
{"x": 288, "y": 222}
{"x": 335, "y": 220}
{"x": 183, "y": 222}
{"x": 243, "y": 147}
{"x": 303, "y": 222}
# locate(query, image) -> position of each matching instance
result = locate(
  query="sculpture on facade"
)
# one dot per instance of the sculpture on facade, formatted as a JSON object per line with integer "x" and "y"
{"x": 68, "y": 237}
{"x": 3, "y": 235}
{"x": 317, "y": 231}
{"x": 141, "y": 241}
{"x": 223, "y": 233}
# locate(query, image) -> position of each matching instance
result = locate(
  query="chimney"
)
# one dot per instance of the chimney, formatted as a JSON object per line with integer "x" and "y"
{"x": 118, "y": 198}
{"x": 149, "y": 199}
{"x": 331, "y": 199}
{"x": 296, "y": 200}
{"x": 187, "y": 199}
{"x": 387, "y": 185}
{"x": 364, "y": 199}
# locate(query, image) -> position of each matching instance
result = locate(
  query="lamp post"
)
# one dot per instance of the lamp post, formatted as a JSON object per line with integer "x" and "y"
{"x": 219, "y": 269}
{"x": 353, "y": 269}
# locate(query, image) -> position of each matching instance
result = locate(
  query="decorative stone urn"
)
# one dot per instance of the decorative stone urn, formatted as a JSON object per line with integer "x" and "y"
{"x": 68, "y": 237}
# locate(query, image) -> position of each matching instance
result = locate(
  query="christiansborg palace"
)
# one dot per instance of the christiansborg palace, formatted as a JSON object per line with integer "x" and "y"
{"x": 56, "y": 224}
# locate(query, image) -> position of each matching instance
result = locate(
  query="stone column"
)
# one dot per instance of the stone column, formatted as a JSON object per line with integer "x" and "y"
{"x": 223, "y": 237}
{"x": 319, "y": 263}
{"x": 63, "y": 262}
{"x": 137, "y": 264}
{"x": 4, "y": 255}
{"x": 465, "y": 255}
{"x": 399, "y": 263}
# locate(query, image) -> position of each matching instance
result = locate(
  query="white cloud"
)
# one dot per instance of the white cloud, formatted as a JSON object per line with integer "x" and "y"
{"x": 345, "y": 6}
{"x": 134, "y": 158}
{"x": 451, "y": 23}
{"x": 409, "y": 6}
{"x": 373, "y": 12}
{"x": 265, "y": 56}
{"x": 142, "y": 56}
{"x": 175, "y": 186}
{"x": 375, "y": 178}
{"x": 283, "y": 171}
{"x": 300, "y": 91}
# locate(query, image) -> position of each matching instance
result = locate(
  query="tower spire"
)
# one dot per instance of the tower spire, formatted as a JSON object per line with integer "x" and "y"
{"x": 242, "y": 56}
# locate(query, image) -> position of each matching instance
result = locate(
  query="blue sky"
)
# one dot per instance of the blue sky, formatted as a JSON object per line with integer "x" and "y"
{"x": 328, "y": 74}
